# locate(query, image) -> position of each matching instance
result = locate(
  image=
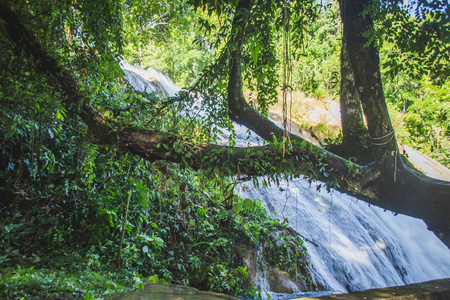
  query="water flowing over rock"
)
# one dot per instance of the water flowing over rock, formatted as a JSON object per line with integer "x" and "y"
{"x": 352, "y": 246}
{"x": 149, "y": 80}
{"x": 355, "y": 246}
{"x": 265, "y": 275}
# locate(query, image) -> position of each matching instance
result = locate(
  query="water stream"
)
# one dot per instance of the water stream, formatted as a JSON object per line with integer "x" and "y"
{"x": 355, "y": 246}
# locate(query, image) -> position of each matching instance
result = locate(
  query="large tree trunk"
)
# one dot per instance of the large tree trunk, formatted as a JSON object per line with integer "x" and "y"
{"x": 399, "y": 186}
{"x": 365, "y": 61}
{"x": 412, "y": 194}
{"x": 352, "y": 120}
{"x": 354, "y": 143}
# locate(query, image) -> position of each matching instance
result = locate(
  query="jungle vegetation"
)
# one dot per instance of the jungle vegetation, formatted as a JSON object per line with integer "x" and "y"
{"x": 102, "y": 181}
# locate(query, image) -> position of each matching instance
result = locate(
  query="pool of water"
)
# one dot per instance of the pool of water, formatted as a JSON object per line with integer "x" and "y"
{"x": 158, "y": 291}
{"x": 283, "y": 296}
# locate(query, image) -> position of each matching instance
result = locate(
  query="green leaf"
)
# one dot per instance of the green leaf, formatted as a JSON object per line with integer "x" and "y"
{"x": 248, "y": 203}
{"x": 260, "y": 78}
{"x": 255, "y": 51}
{"x": 159, "y": 242}
{"x": 237, "y": 208}
{"x": 145, "y": 249}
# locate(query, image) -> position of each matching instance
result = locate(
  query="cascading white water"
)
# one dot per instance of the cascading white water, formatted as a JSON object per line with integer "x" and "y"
{"x": 149, "y": 80}
{"x": 356, "y": 246}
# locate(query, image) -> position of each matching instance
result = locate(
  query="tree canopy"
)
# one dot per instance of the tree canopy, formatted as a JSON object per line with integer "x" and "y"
{"x": 60, "y": 60}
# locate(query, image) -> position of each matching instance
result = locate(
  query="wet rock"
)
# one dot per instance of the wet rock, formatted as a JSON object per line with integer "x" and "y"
{"x": 280, "y": 265}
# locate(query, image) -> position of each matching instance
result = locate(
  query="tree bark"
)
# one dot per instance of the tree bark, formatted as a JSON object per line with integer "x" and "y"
{"x": 352, "y": 120}
{"x": 365, "y": 63}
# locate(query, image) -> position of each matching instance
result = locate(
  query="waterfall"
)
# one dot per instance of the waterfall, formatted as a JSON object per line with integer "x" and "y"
{"x": 357, "y": 246}
{"x": 353, "y": 246}
{"x": 149, "y": 80}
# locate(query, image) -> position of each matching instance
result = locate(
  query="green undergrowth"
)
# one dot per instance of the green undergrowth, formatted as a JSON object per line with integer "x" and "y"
{"x": 66, "y": 231}
{"x": 47, "y": 283}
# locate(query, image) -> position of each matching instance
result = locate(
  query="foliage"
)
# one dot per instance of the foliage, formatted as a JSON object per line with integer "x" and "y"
{"x": 317, "y": 60}
{"x": 179, "y": 225}
{"x": 415, "y": 51}
{"x": 418, "y": 33}
{"x": 283, "y": 248}
{"x": 85, "y": 34}
{"x": 65, "y": 199}
{"x": 168, "y": 40}
{"x": 76, "y": 283}
{"x": 262, "y": 51}
{"x": 423, "y": 109}
{"x": 260, "y": 58}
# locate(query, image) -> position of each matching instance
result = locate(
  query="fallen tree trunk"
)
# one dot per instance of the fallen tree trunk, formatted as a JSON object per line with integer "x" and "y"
{"x": 427, "y": 200}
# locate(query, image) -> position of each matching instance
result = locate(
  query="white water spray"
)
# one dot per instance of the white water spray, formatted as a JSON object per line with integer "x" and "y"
{"x": 358, "y": 247}
{"x": 149, "y": 80}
